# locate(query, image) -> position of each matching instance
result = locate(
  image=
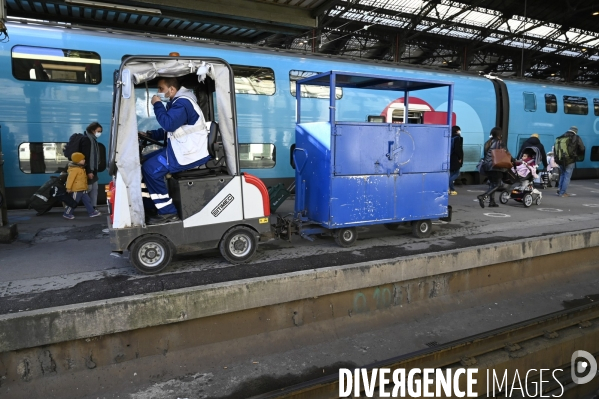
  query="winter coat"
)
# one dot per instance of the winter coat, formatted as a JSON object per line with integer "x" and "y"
{"x": 86, "y": 148}
{"x": 175, "y": 115}
{"x": 535, "y": 142}
{"x": 576, "y": 144}
{"x": 77, "y": 180}
{"x": 456, "y": 158}
{"x": 492, "y": 144}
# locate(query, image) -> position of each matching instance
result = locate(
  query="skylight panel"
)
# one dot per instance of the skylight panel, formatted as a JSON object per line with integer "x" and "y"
{"x": 543, "y": 31}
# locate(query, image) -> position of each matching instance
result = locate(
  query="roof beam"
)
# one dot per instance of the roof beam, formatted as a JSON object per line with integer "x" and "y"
{"x": 324, "y": 7}
{"x": 118, "y": 26}
{"x": 244, "y": 10}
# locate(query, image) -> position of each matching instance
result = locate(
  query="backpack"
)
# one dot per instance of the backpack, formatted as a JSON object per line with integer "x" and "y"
{"x": 565, "y": 153}
{"x": 74, "y": 145}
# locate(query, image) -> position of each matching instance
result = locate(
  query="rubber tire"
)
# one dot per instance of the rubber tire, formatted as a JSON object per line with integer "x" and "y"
{"x": 527, "y": 200}
{"x": 538, "y": 201}
{"x": 346, "y": 237}
{"x": 242, "y": 239}
{"x": 145, "y": 243}
{"x": 504, "y": 197}
{"x": 392, "y": 226}
{"x": 422, "y": 228}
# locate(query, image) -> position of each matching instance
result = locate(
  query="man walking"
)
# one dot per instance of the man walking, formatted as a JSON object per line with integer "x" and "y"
{"x": 569, "y": 148}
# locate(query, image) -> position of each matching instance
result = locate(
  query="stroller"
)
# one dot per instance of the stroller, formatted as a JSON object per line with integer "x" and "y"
{"x": 521, "y": 189}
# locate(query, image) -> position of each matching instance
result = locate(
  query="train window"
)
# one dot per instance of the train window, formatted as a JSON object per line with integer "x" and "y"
{"x": 311, "y": 91}
{"x": 550, "y": 103}
{"x": 596, "y": 106}
{"x": 56, "y": 65}
{"x": 576, "y": 105}
{"x": 254, "y": 80}
{"x": 530, "y": 102}
{"x": 37, "y": 158}
{"x": 594, "y": 153}
{"x": 257, "y": 156}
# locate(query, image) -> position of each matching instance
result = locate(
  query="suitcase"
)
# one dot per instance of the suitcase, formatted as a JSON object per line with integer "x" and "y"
{"x": 49, "y": 194}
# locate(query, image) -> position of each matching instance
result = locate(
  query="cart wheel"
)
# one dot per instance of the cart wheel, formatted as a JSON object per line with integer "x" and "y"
{"x": 345, "y": 237}
{"x": 238, "y": 244}
{"x": 392, "y": 226}
{"x": 527, "y": 200}
{"x": 151, "y": 253}
{"x": 422, "y": 228}
{"x": 504, "y": 197}
{"x": 538, "y": 201}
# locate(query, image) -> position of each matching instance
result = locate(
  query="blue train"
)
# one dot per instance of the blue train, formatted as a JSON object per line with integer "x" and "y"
{"x": 57, "y": 80}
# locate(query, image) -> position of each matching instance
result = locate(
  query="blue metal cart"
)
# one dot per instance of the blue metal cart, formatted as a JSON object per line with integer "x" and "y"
{"x": 350, "y": 174}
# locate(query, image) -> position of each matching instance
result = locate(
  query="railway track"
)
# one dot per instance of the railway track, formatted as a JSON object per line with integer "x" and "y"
{"x": 546, "y": 342}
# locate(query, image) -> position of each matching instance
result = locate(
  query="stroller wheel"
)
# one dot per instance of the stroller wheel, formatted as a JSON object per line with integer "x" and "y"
{"x": 527, "y": 200}
{"x": 504, "y": 197}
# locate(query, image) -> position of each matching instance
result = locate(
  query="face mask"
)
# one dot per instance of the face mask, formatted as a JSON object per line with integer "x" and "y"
{"x": 163, "y": 97}
{"x": 98, "y": 135}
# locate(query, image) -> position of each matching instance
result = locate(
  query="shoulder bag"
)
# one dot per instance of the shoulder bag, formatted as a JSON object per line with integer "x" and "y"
{"x": 501, "y": 159}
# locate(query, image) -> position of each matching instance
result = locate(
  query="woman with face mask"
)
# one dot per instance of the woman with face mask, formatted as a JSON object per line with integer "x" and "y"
{"x": 90, "y": 148}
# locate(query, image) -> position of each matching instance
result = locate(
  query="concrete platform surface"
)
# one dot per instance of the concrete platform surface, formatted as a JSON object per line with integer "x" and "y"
{"x": 57, "y": 262}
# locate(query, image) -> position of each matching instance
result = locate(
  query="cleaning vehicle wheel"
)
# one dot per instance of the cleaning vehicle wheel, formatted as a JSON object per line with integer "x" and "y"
{"x": 151, "y": 253}
{"x": 238, "y": 244}
{"x": 527, "y": 200}
{"x": 346, "y": 237}
{"x": 422, "y": 228}
{"x": 504, "y": 197}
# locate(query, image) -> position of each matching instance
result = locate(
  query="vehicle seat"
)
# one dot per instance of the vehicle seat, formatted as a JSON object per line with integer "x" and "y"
{"x": 216, "y": 150}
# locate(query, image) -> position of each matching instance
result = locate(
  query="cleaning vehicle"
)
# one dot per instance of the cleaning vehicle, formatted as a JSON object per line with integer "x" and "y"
{"x": 348, "y": 173}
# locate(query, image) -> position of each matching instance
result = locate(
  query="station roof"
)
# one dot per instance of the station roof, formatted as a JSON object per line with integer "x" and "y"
{"x": 555, "y": 40}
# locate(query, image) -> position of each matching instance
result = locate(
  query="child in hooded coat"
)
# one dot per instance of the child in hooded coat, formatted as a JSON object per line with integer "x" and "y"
{"x": 77, "y": 186}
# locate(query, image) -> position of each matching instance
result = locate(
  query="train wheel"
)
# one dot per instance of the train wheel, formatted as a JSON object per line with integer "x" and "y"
{"x": 527, "y": 200}
{"x": 504, "y": 197}
{"x": 422, "y": 228}
{"x": 346, "y": 237}
{"x": 238, "y": 244}
{"x": 151, "y": 253}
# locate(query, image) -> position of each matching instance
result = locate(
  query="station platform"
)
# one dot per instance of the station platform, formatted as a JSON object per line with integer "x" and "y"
{"x": 56, "y": 262}
{"x": 205, "y": 325}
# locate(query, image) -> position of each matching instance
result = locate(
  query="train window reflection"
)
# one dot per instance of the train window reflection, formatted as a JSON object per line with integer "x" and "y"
{"x": 257, "y": 156}
{"x": 576, "y": 105}
{"x": 596, "y": 106}
{"x": 311, "y": 91}
{"x": 254, "y": 80}
{"x": 56, "y": 65}
{"x": 38, "y": 158}
{"x": 530, "y": 102}
{"x": 550, "y": 103}
{"x": 594, "y": 153}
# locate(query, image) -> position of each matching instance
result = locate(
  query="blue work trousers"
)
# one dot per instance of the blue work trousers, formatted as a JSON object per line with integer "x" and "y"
{"x": 154, "y": 169}
{"x": 564, "y": 177}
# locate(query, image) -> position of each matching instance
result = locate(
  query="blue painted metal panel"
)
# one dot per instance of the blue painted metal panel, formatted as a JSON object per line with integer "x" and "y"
{"x": 358, "y": 200}
{"x": 421, "y": 196}
{"x": 313, "y": 170}
{"x": 368, "y": 148}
